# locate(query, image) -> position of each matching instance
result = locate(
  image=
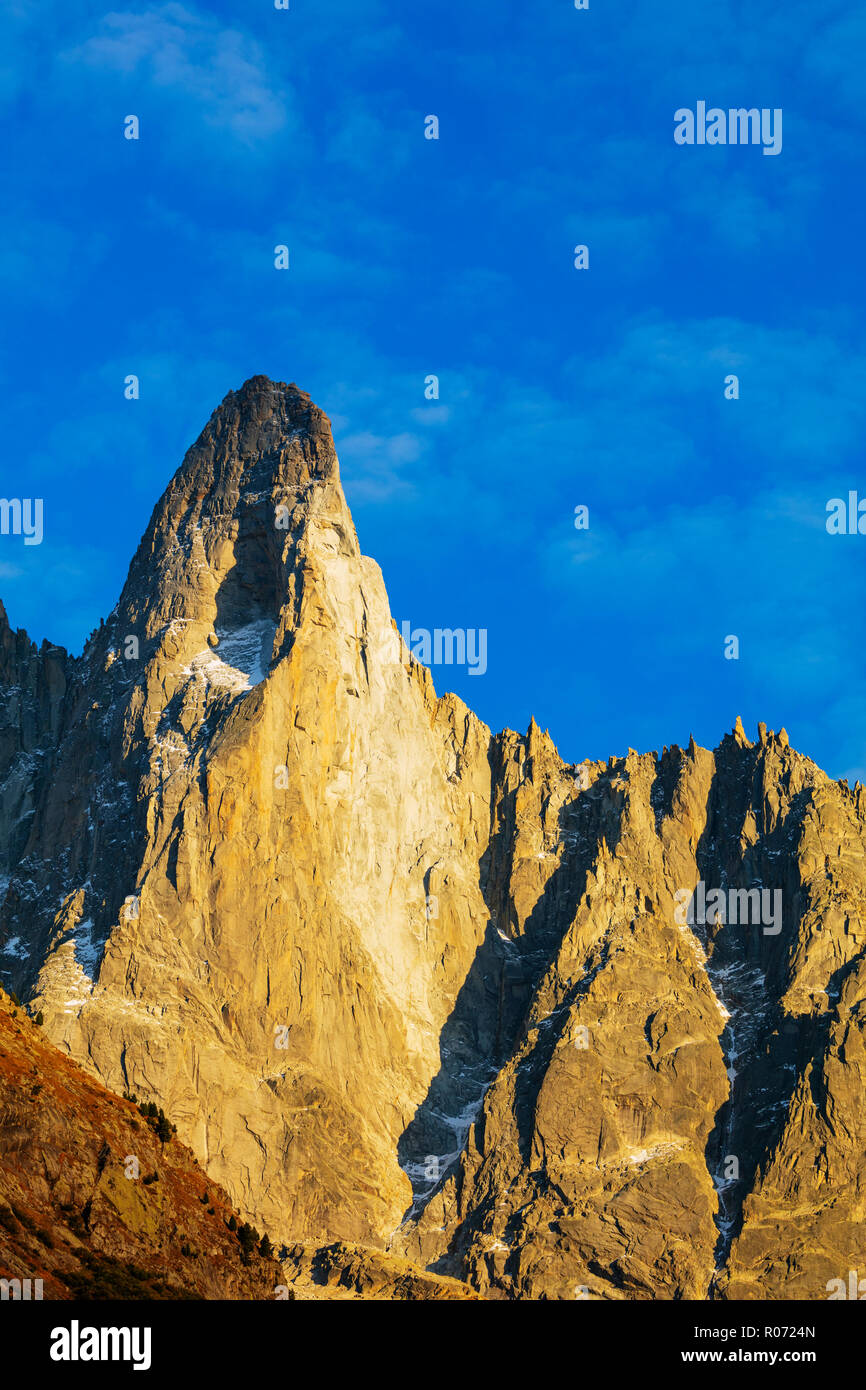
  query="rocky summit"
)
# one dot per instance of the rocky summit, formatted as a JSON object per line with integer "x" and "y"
{"x": 428, "y": 1003}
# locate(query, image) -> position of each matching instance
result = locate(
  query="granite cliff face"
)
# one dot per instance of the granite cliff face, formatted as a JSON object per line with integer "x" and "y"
{"x": 404, "y": 984}
{"x": 679, "y": 1110}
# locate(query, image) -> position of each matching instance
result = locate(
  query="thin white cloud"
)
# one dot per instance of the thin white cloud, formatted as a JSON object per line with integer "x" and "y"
{"x": 179, "y": 49}
{"x": 373, "y": 465}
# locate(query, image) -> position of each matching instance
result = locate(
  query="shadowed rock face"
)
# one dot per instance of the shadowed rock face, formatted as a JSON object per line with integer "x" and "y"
{"x": 402, "y": 982}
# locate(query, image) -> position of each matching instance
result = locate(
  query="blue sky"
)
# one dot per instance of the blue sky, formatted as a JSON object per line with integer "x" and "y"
{"x": 455, "y": 257}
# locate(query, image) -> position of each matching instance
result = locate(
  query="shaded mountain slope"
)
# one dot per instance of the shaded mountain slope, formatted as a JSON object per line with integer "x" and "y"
{"x": 74, "y": 1214}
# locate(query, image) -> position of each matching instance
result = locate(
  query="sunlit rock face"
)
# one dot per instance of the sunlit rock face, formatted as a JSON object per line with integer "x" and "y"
{"x": 403, "y": 983}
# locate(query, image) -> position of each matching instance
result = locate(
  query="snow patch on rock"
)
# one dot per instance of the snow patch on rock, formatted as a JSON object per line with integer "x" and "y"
{"x": 242, "y": 657}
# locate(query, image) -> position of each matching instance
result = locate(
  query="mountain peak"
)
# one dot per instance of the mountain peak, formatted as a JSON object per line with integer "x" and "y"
{"x": 267, "y": 431}
{"x": 261, "y": 398}
{"x": 263, "y": 455}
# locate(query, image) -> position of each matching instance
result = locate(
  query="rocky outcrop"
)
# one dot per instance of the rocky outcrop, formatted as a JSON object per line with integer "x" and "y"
{"x": 349, "y": 1272}
{"x": 404, "y": 983}
{"x": 32, "y": 691}
{"x": 678, "y": 1115}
